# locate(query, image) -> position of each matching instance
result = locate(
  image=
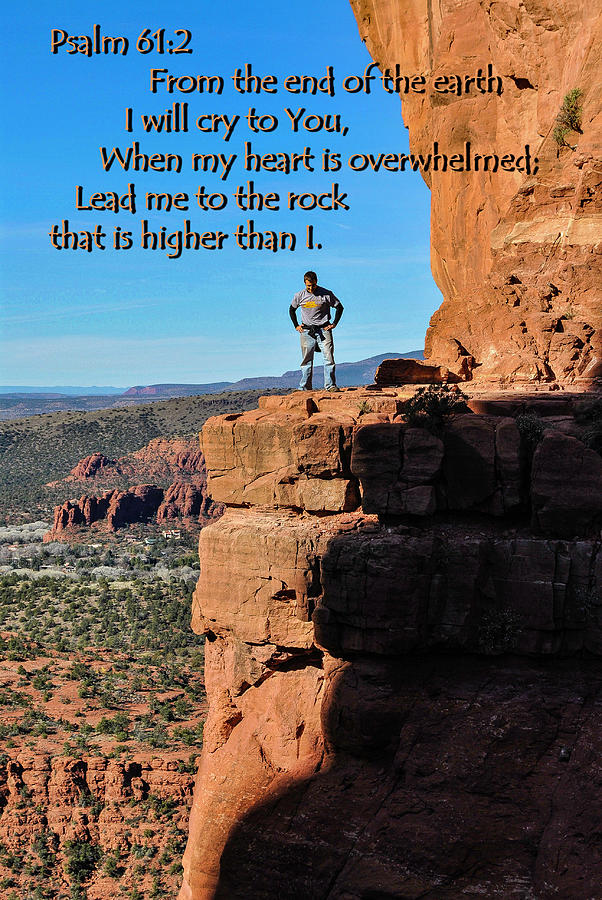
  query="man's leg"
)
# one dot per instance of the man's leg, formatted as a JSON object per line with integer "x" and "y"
{"x": 327, "y": 348}
{"x": 308, "y": 348}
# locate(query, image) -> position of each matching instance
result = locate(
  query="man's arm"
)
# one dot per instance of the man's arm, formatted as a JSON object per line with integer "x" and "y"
{"x": 337, "y": 317}
{"x": 292, "y": 311}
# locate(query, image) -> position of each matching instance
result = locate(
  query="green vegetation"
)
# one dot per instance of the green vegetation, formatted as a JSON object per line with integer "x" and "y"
{"x": 432, "y": 406}
{"x": 68, "y": 615}
{"x": 82, "y": 857}
{"x": 146, "y": 678}
{"x": 125, "y": 649}
{"x": 569, "y": 117}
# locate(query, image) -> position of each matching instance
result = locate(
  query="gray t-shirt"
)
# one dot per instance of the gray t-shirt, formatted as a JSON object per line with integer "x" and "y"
{"x": 315, "y": 308}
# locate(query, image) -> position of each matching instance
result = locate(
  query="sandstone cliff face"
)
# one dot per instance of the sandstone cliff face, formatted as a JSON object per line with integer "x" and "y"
{"x": 516, "y": 257}
{"x": 385, "y": 719}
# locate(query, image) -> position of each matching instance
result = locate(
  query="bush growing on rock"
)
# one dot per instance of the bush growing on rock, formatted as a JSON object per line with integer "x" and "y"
{"x": 531, "y": 431}
{"x": 432, "y": 406}
{"x": 82, "y": 858}
{"x": 569, "y": 117}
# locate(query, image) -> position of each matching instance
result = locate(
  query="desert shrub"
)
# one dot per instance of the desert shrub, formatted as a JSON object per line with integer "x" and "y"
{"x": 571, "y": 109}
{"x": 569, "y": 117}
{"x": 112, "y": 867}
{"x": 559, "y": 134}
{"x": 81, "y": 859}
{"x": 432, "y": 406}
{"x": 162, "y": 807}
{"x": 189, "y": 736}
{"x": 190, "y": 767}
{"x": 142, "y": 851}
{"x": 119, "y": 725}
{"x": 531, "y": 430}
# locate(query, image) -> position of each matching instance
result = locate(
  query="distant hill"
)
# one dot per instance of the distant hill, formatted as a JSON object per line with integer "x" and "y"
{"x": 349, "y": 374}
{"x": 12, "y": 391}
{"x": 152, "y": 391}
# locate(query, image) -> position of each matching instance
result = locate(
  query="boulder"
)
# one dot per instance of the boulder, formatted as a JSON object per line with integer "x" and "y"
{"x": 566, "y": 485}
{"x": 413, "y": 371}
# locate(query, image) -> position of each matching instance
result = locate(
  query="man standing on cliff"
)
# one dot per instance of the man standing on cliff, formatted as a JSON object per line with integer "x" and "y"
{"x": 316, "y": 329}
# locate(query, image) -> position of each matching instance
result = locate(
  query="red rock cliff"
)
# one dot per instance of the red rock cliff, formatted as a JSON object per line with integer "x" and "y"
{"x": 401, "y": 703}
{"x": 516, "y": 257}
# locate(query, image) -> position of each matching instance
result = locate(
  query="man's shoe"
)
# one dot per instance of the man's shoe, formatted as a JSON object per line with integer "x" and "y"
{"x": 334, "y": 389}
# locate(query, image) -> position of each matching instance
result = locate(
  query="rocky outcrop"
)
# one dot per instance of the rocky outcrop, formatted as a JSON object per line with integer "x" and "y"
{"x": 412, "y": 371}
{"x": 567, "y": 484}
{"x": 115, "y": 508}
{"x": 185, "y": 500}
{"x": 90, "y": 466}
{"x": 515, "y": 255}
{"x": 165, "y": 458}
{"x": 136, "y": 505}
{"x": 325, "y": 455}
{"x": 402, "y": 698}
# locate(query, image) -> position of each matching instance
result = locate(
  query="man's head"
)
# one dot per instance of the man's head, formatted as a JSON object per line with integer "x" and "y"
{"x": 311, "y": 280}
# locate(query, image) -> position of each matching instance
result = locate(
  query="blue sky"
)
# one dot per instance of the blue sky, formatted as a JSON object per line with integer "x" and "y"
{"x": 132, "y": 317}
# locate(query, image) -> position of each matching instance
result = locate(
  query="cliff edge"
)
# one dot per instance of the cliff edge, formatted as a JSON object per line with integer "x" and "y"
{"x": 402, "y": 630}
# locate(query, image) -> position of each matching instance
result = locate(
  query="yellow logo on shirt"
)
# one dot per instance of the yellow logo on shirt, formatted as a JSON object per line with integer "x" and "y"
{"x": 310, "y": 303}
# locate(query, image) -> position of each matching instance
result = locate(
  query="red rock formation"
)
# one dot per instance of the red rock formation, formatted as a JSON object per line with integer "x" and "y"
{"x": 186, "y": 497}
{"x": 166, "y": 457}
{"x": 186, "y": 500}
{"x": 117, "y": 508}
{"x": 135, "y": 505}
{"x": 91, "y": 465}
{"x": 384, "y": 715}
{"x": 162, "y": 459}
{"x": 516, "y": 256}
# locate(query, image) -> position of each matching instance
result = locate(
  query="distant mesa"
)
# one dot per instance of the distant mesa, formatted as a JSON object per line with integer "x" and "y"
{"x": 90, "y": 390}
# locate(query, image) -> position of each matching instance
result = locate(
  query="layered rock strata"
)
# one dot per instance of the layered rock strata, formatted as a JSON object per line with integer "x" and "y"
{"x": 402, "y": 698}
{"x": 516, "y": 255}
